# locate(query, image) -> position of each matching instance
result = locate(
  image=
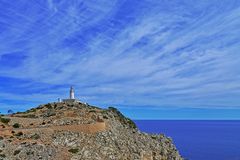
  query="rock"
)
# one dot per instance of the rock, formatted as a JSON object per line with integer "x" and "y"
{"x": 82, "y": 132}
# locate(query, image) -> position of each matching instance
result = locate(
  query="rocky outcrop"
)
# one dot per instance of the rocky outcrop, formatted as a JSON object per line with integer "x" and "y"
{"x": 78, "y": 131}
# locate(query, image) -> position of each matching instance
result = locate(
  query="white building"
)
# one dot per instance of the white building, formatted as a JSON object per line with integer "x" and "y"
{"x": 71, "y": 97}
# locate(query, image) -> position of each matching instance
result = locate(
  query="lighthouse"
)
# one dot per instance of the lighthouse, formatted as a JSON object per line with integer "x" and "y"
{"x": 72, "y": 93}
{"x": 71, "y": 98}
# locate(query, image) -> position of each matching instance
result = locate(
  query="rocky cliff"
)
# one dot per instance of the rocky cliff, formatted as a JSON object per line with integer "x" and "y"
{"x": 77, "y": 131}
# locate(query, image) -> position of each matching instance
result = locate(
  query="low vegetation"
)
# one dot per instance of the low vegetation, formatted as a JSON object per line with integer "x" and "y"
{"x": 94, "y": 111}
{"x": 28, "y": 116}
{"x": 50, "y": 113}
{"x": 73, "y": 150}
{"x": 35, "y": 136}
{"x": 2, "y": 155}
{"x": 49, "y": 106}
{"x": 16, "y": 125}
{"x": 105, "y": 117}
{"x": 31, "y": 110}
{"x": 122, "y": 118}
{"x": 131, "y": 123}
{"x": 4, "y": 120}
{"x": 30, "y": 153}
{"x": 16, "y": 152}
{"x": 19, "y": 134}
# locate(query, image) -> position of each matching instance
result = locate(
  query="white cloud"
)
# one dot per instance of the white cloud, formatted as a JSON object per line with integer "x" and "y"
{"x": 158, "y": 57}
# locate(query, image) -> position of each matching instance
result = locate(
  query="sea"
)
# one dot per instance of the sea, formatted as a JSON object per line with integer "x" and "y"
{"x": 199, "y": 139}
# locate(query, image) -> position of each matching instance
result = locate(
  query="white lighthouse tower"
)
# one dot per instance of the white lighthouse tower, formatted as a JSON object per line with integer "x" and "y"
{"x": 72, "y": 93}
{"x": 71, "y": 97}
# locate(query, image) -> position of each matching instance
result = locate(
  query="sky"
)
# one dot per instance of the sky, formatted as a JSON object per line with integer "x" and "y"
{"x": 152, "y": 59}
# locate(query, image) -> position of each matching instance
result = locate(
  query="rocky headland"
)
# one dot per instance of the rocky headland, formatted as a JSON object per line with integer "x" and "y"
{"x": 77, "y": 131}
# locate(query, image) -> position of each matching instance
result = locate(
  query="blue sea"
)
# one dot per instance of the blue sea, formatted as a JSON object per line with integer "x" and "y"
{"x": 199, "y": 140}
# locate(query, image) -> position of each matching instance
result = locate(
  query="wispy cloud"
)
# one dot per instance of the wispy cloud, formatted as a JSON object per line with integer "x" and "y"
{"x": 155, "y": 53}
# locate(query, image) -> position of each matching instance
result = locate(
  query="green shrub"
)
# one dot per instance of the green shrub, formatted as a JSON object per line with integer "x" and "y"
{"x": 16, "y": 125}
{"x": 100, "y": 120}
{"x": 16, "y": 152}
{"x": 124, "y": 120}
{"x": 28, "y": 116}
{"x": 50, "y": 112}
{"x": 131, "y": 123}
{"x": 31, "y": 110}
{"x": 4, "y": 120}
{"x": 19, "y": 134}
{"x": 30, "y": 152}
{"x": 2, "y": 155}
{"x": 35, "y": 136}
{"x": 105, "y": 117}
{"x": 73, "y": 150}
{"x": 49, "y": 106}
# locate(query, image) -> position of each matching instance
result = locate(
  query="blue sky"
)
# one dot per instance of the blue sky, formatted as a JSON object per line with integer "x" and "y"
{"x": 152, "y": 59}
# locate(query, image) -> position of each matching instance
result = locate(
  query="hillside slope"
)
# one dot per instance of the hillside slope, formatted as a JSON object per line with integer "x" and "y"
{"x": 77, "y": 131}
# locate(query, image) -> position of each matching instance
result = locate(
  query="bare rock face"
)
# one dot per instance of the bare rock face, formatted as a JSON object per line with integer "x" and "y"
{"x": 76, "y": 131}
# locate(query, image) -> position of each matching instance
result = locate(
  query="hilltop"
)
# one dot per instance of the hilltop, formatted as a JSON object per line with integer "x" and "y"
{"x": 77, "y": 131}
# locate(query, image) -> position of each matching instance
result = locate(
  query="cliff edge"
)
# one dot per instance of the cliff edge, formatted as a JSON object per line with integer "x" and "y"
{"x": 77, "y": 131}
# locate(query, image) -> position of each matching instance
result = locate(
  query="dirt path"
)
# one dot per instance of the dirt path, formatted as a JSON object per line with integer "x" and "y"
{"x": 85, "y": 128}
